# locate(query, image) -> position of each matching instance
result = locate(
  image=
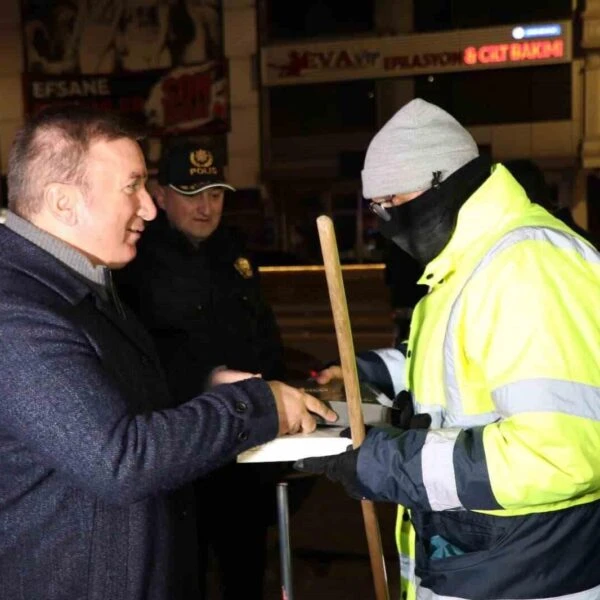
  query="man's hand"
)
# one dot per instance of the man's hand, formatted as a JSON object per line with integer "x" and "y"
{"x": 221, "y": 376}
{"x": 340, "y": 468}
{"x": 293, "y": 406}
{"x": 329, "y": 374}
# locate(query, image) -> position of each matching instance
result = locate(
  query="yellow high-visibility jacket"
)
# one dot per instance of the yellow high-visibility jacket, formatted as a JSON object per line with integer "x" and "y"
{"x": 502, "y": 493}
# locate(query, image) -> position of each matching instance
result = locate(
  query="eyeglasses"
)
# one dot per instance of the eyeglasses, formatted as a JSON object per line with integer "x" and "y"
{"x": 379, "y": 207}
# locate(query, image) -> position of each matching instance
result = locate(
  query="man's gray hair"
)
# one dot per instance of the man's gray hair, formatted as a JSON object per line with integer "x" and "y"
{"x": 52, "y": 147}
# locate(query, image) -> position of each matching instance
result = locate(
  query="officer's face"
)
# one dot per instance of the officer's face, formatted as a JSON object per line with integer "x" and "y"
{"x": 195, "y": 216}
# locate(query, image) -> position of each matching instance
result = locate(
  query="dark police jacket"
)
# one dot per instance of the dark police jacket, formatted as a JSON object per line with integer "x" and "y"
{"x": 203, "y": 306}
{"x": 84, "y": 463}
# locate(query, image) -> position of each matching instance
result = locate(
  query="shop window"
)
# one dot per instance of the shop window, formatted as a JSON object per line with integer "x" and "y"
{"x": 439, "y": 15}
{"x": 295, "y": 19}
{"x": 540, "y": 94}
{"x": 319, "y": 109}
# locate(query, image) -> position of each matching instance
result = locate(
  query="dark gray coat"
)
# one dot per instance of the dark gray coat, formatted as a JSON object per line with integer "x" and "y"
{"x": 89, "y": 442}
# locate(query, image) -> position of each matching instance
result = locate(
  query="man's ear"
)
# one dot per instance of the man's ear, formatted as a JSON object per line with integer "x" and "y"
{"x": 61, "y": 201}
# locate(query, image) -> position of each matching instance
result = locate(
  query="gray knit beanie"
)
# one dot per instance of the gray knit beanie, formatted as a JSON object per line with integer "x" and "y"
{"x": 419, "y": 139}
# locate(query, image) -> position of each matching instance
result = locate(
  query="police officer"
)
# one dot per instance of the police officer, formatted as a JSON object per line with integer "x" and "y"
{"x": 197, "y": 291}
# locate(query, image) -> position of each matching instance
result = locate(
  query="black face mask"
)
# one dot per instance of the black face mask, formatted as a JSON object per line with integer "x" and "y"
{"x": 422, "y": 227}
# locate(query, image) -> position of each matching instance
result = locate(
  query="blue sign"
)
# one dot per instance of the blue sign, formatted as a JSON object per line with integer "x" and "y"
{"x": 536, "y": 31}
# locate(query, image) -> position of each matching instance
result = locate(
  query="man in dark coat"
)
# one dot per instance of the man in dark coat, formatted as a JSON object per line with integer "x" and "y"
{"x": 90, "y": 442}
{"x": 197, "y": 291}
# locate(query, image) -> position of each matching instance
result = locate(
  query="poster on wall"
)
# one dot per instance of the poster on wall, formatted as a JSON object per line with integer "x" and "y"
{"x": 159, "y": 61}
{"x": 108, "y": 36}
{"x": 184, "y": 99}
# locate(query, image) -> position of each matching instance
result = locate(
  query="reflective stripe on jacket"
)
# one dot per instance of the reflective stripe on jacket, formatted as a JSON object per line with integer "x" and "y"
{"x": 503, "y": 353}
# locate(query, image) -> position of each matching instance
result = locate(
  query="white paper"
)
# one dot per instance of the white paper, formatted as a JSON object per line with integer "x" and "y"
{"x": 324, "y": 441}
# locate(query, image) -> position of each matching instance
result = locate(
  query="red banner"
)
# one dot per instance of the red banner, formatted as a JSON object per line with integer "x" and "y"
{"x": 185, "y": 99}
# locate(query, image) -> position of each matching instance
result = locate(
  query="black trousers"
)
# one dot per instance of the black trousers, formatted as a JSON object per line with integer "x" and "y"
{"x": 235, "y": 507}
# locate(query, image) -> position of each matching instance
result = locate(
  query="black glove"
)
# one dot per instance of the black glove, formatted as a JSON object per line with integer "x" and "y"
{"x": 340, "y": 468}
{"x": 403, "y": 414}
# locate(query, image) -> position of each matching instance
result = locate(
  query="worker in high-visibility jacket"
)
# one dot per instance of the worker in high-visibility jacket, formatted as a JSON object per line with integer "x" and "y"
{"x": 500, "y": 496}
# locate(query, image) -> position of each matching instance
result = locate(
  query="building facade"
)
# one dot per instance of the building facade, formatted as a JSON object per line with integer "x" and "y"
{"x": 239, "y": 48}
{"x": 310, "y": 82}
{"x": 522, "y": 79}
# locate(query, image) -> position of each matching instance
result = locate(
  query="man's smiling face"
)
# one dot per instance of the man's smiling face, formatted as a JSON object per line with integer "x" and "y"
{"x": 115, "y": 202}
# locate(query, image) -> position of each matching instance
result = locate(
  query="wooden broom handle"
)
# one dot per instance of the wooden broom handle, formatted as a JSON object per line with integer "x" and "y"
{"x": 343, "y": 331}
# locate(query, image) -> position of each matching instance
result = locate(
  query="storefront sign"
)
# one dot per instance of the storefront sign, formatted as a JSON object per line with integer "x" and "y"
{"x": 536, "y": 31}
{"x": 426, "y": 59}
{"x": 515, "y": 52}
{"x": 415, "y": 54}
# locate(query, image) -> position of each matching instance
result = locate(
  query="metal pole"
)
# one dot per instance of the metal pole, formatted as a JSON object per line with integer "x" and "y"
{"x": 285, "y": 556}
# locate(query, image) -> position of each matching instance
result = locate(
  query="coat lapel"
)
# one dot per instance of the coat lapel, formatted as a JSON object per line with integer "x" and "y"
{"x": 130, "y": 327}
{"x": 31, "y": 260}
